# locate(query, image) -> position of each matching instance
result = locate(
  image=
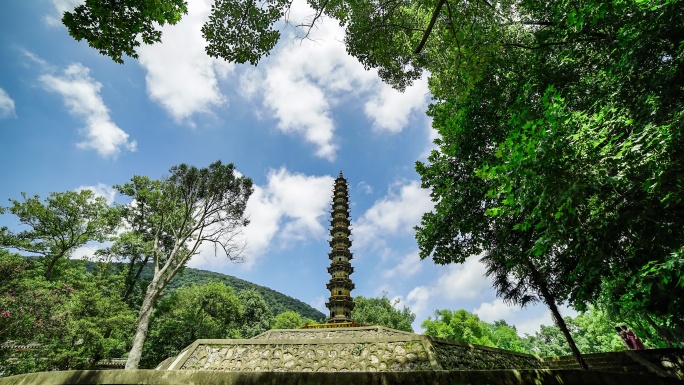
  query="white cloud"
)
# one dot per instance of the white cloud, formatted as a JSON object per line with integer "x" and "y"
{"x": 180, "y": 75}
{"x": 418, "y": 299}
{"x": 289, "y": 208}
{"x": 397, "y": 213}
{"x": 495, "y": 310}
{"x": 61, "y": 6}
{"x": 305, "y": 79}
{"x": 81, "y": 94}
{"x": 301, "y": 107}
{"x": 88, "y": 250}
{"x": 463, "y": 281}
{"x": 101, "y": 190}
{"x": 407, "y": 267}
{"x": 6, "y": 105}
{"x": 389, "y": 110}
{"x": 365, "y": 187}
{"x": 432, "y": 134}
{"x": 319, "y": 303}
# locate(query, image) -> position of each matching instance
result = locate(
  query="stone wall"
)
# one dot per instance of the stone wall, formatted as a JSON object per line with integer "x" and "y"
{"x": 473, "y": 377}
{"x": 670, "y": 360}
{"x": 361, "y": 332}
{"x": 350, "y": 350}
{"x": 397, "y": 356}
{"x": 458, "y": 356}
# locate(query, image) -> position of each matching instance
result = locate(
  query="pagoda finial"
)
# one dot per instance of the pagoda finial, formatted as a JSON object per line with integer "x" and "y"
{"x": 340, "y": 302}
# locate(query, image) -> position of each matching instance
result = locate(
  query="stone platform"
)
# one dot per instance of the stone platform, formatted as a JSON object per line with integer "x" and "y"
{"x": 364, "y": 355}
{"x": 360, "y": 349}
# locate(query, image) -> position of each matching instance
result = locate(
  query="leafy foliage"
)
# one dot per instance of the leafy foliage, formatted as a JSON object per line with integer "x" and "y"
{"x": 187, "y": 314}
{"x": 174, "y": 216}
{"x": 114, "y": 27}
{"x": 242, "y": 31}
{"x": 290, "y": 320}
{"x": 277, "y": 302}
{"x": 255, "y": 317}
{"x": 69, "y": 322}
{"x": 383, "y": 312}
{"x": 463, "y": 326}
{"x": 458, "y": 325}
{"x": 60, "y": 225}
{"x": 560, "y": 155}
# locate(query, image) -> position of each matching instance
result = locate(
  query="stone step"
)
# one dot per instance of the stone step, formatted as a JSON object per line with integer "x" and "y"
{"x": 594, "y": 363}
{"x": 617, "y": 362}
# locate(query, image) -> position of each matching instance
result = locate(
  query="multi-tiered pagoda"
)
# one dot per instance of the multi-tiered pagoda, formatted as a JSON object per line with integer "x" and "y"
{"x": 340, "y": 302}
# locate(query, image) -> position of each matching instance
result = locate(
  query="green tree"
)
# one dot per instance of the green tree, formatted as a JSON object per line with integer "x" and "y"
{"x": 177, "y": 215}
{"x": 290, "y": 320}
{"x": 459, "y": 325}
{"x": 256, "y": 316}
{"x": 65, "y": 221}
{"x": 189, "y": 313}
{"x": 463, "y": 326}
{"x": 505, "y": 336}
{"x": 115, "y": 27}
{"x": 383, "y": 312}
{"x": 135, "y": 247}
{"x": 556, "y": 161}
{"x": 71, "y": 321}
{"x": 593, "y": 330}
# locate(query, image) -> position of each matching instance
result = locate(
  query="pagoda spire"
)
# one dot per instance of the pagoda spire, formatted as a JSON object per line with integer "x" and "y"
{"x": 340, "y": 302}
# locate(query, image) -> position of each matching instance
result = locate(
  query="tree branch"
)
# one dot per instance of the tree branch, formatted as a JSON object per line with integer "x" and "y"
{"x": 428, "y": 31}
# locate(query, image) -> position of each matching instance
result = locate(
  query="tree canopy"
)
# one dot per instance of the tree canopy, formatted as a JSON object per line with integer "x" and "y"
{"x": 174, "y": 216}
{"x": 559, "y": 159}
{"x": 381, "y": 311}
{"x": 60, "y": 225}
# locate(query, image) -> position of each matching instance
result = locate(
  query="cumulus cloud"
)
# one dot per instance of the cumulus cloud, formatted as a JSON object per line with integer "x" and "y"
{"x": 61, "y": 6}
{"x": 290, "y": 207}
{"x": 101, "y": 190}
{"x": 407, "y": 267}
{"x": 306, "y": 78}
{"x": 6, "y": 105}
{"x": 455, "y": 283}
{"x": 463, "y": 281}
{"x": 495, "y": 310}
{"x": 180, "y": 75}
{"x": 397, "y": 213}
{"x": 389, "y": 110}
{"x": 418, "y": 299}
{"x": 81, "y": 95}
{"x": 86, "y": 251}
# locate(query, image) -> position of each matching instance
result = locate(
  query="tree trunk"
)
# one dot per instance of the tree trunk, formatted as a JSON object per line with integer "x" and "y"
{"x": 130, "y": 285}
{"x": 564, "y": 328}
{"x": 144, "y": 317}
{"x": 658, "y": 330}
{"x": 551, "y": 303}
{"x": 50, "y": 266}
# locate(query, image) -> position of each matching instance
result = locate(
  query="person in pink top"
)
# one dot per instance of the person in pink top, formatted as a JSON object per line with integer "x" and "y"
{"x": 632, "y": 337}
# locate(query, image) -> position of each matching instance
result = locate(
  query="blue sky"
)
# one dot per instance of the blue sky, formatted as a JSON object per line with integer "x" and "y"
{"x": 71, "y": 118}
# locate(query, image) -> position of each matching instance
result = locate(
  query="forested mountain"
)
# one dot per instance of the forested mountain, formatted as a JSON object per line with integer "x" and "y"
{"x": 278, "y": 302}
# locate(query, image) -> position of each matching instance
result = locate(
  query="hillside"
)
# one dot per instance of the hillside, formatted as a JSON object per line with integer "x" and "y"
{"x": 277, "y": 301}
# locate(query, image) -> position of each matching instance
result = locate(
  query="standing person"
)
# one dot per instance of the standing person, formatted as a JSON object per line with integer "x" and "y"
{"x": 636, "y": 342}
{"x": 625, "y": 340}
